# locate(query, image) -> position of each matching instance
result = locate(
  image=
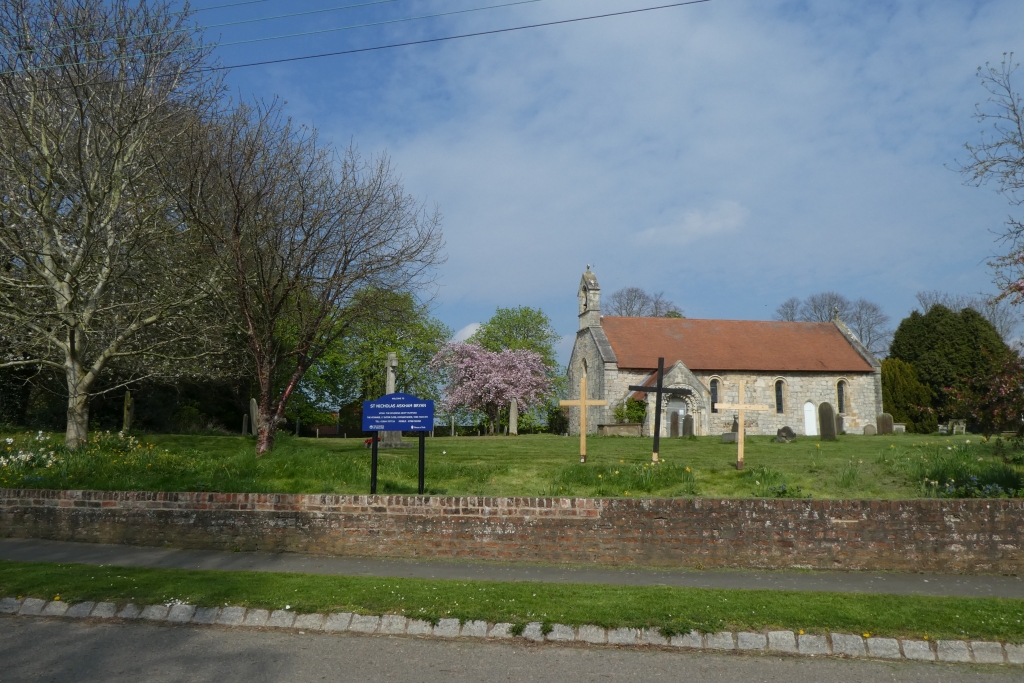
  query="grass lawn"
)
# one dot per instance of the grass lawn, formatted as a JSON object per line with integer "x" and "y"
{"x": 673, "y": 610}
{"x": 894, "y": 466}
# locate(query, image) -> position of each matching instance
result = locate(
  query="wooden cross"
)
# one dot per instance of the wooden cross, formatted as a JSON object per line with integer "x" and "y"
{"x": 741, "y": 407}
{"x": 583, "y": 403}
{"x": 658, "y": 390}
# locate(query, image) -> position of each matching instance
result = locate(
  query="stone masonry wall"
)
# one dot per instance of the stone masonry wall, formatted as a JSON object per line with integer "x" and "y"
{"x": 975, "y": 536}
{"x": 862, "y": 399}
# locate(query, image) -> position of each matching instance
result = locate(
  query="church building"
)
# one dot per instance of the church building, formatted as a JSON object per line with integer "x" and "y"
{"x": 792, "y": 367}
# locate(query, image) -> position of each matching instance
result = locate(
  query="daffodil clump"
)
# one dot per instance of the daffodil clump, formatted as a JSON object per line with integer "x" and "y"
{"x": 27, "y": 452}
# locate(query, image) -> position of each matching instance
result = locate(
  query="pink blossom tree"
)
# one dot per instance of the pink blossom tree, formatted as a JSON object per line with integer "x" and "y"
{"x": 487, "y": 381}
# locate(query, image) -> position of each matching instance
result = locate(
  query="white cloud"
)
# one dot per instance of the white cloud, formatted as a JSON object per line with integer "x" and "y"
{"x": 693, "y": 224}
{"x": 466, "y": 332}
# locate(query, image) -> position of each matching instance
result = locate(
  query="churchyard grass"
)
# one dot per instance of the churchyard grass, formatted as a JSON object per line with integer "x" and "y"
{"x": 673, "y": 610}
{"x": 887, "y": 467}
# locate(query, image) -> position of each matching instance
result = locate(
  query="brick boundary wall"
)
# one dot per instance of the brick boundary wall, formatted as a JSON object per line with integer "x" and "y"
{"x": 968, "y": 536}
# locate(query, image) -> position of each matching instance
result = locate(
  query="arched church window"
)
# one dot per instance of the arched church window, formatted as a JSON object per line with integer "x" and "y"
{"x": 779, "y": 405}
{"x": 714, "y": 395}
{"x": 841, "y": 395}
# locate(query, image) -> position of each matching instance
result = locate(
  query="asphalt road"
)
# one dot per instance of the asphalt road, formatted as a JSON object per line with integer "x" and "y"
{"x": 32, "y": 550}
{"x": 44, "y": 650}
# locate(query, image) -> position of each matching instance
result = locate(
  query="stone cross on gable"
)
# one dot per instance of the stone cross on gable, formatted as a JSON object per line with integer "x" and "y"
{"x": 658, "y": 390}
{"x": 741, "y": 407}
{"x": 583, "y": 403}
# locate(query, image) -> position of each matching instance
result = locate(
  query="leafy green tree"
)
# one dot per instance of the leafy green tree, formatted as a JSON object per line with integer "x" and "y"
{"x": 946, "y": 348}
{"x": 520, "y": 328}
{"x": 352, "y": 370}
{"x": 905, "y": 398}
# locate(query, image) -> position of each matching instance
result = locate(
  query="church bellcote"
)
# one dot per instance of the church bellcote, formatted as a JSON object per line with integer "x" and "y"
{"x": 590, "y": 301}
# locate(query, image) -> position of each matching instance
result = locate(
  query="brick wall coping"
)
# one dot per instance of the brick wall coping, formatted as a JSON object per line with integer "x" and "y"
{"x": 320, "y": 502}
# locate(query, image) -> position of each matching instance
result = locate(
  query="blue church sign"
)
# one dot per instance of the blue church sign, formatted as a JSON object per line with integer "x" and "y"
{"x": 398, "y": 413}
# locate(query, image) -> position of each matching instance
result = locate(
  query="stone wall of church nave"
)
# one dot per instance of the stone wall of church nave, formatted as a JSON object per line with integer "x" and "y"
{"x": 798, "y": 388}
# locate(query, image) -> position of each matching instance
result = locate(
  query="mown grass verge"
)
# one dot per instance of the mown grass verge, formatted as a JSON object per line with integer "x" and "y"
{"x": 673, "y": 610}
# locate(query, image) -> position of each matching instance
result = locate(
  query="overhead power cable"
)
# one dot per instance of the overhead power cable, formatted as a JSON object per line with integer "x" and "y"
{"x": 410, "y": 43}
{"x": 207, "y": 27}
{"x": 426, "y": 41}
{"x": 302, "y": 34}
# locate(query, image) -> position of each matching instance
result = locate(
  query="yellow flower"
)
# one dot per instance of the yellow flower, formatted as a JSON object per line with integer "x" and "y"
{"x": 801, "y": 631}
{"x": 616, "y": 471}
{"x": 687, "y": 469}
{"x": 868, "y": 634}
{"x": 622, "y": 461}
{"x": 600, "y": 476}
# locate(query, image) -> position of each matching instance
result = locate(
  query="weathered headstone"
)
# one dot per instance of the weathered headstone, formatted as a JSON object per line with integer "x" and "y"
{"x": 254, "y": 417}
{"x": 884, "y": 423}
{"x": 731, "y": 437}
{"x": 827, "y": 422}
{"x": 869, "y": 430}
{"x": 245, "y": 425}
{"x": 129, "y": 411}
{"x": 673, "y": 428}
{"x": 735, "y": 424}
{"x": 785, "y": 434}
{"x": 688, "y": 425}
{"x": 840, "y": 429}
{"x": 513, "y": 417}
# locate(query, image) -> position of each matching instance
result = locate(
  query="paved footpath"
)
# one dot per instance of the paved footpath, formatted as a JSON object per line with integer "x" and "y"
{"x": 843, "y": 582}
{"x": 50, "y": 650}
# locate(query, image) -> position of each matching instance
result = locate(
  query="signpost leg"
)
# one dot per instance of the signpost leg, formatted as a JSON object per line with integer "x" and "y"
{"x": 657, "y": 411}
{"x": 423, "y": 460}
{"x": 373, "y": 465}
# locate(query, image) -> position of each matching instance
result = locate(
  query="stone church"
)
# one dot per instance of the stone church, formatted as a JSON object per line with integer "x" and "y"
{"x": 792, "y": 367}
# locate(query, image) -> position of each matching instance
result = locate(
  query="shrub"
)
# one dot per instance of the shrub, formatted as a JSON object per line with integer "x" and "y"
{"x": 632, "y": 411}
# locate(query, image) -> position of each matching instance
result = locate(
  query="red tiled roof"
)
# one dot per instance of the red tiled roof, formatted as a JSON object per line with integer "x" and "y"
{"x": 732, "y": 345}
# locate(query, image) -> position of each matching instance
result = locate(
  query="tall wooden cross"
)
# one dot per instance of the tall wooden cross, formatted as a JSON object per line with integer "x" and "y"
{"x": 658, "y": 390}
{"x": 741, "y": 407}
{"x": 583, "y": 403}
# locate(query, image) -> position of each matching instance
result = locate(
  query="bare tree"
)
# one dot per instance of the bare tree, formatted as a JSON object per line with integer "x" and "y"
{"x": 823, "y": 307}
{"x": 999, "y": 157}
{"x": 867, "y": 320}
{"x": 635, "y": 302}
{"x": 996, "y": 310}
{"x": 93, "y": 97}
{"x": 301, "y": 232}
{"x": 630, "y": 302}
{"x": 789, "y": 310}
{"x": 663, "y": 308}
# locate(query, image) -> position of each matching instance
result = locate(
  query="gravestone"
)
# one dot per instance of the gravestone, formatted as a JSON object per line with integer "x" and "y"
{"x": 513, "y": 417}
{"x": 254, "y": 417}
{"x": 884, "y": 423}
{"x": 129, "y": 411}
{"x": 731, "y": 437}
{"x": 827, "y": 421}
{"x": 674, "y": 426}
{"x": 869, "y": 430}
{"x": 839, "y": 425}
{"x": 688, "y": 425}
{"x": 735, "y": 424}
{"x": 245, "y": 425}
{"x": 785, "y": 435}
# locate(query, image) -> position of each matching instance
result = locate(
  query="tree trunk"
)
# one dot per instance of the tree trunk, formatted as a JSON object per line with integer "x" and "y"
{"x": 78, "y": 409}
{"x": 265, "y": 428}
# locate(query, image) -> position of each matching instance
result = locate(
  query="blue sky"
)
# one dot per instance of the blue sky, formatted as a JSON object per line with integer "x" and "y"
{"x": 731, "y": 154}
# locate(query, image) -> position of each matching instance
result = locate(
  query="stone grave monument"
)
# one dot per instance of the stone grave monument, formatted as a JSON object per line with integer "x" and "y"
{"x": 391, "y": 439}
{"x": 884, "y": 423}
{"x": 513, "y": 418}
{"x": 840, "y": 429}
{"x": 688, "y": 425}
{"x": 254, "y": 417}
{"x": 827, "y": 422}
{"x": 869, "y": 430}
{"x": 785, "y": 434}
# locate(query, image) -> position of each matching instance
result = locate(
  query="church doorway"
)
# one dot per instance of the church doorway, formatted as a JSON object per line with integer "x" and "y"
{"x": 810, "y": 420}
